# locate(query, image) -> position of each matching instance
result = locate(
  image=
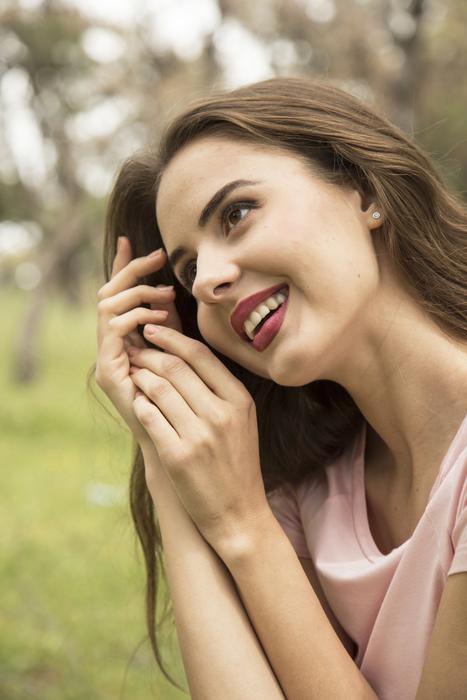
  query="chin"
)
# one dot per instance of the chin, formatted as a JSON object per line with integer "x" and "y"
{"x": 293, "y": 373}
{"x": 291, "y": 381}
{"x": 284, "y": 374}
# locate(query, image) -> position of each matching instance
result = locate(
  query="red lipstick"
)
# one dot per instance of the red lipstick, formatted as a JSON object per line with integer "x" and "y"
{"x": 270, "y": 328}
{"x": 246, "y": 306}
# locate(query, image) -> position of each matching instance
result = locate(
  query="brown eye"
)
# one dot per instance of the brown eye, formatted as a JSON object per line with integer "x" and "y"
{"x": 191, "y": 273}
{"x": 234, "y": 214}
{"x": 188, "y": 275}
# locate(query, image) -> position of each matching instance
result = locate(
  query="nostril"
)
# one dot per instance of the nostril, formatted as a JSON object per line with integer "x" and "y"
{"x": 221, "y": 287}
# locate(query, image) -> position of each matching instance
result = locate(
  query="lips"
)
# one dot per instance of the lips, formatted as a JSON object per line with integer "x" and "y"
{"x": 246, "y": 306}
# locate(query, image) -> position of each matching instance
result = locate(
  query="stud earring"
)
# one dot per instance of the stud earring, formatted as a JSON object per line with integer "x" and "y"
{"x": 376, "y": 215}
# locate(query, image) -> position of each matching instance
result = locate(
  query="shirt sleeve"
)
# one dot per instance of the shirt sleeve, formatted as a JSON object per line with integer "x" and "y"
{"x": 459, "y": 538}
{"x": 284, "y": 505}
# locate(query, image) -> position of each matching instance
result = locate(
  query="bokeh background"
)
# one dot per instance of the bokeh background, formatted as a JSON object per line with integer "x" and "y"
{"x": 83, "y": 83}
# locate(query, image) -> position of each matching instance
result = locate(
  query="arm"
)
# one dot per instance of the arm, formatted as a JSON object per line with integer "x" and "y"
{"x": 205, "y": 427}
{"x": 444, "y": 674}
{"x": 347, "y": 641}
{"x": 305, "y": 652}
{"x": 221, "y": 653}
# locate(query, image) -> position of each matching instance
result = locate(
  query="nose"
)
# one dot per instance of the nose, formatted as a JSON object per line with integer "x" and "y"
{"x": 215, "y": 276}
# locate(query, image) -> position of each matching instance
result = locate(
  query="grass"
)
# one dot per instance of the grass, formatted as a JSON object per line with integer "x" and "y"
{"x": 71, "y": 577}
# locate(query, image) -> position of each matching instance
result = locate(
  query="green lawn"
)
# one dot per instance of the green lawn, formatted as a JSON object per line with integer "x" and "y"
{"x": 71, "y": 578}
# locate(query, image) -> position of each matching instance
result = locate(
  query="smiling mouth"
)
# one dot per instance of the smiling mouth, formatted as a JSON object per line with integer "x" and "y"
{"x": 269, "y": 327}
{"x": 263, "y": 312}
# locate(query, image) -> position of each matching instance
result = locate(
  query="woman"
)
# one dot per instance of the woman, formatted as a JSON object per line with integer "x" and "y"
{"x": 297, "y": 392}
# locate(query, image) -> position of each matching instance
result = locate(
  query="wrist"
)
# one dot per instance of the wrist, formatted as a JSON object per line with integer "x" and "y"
{"x": 241, "y": 541}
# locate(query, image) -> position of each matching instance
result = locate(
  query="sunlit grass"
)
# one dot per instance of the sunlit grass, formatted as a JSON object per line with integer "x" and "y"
{"x": 71, "y": 578}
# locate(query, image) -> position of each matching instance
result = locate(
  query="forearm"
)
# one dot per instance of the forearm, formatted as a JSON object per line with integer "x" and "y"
{"x": 305, "y": 652}
{"x": 221, "y": 652}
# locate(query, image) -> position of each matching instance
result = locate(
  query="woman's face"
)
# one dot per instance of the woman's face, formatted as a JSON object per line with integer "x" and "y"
{"x": 278, "y": 225}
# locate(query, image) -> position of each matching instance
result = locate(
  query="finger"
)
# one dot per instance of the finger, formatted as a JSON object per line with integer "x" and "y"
{"x": 132, "y": 272}
{"x": 110, "y": 332}
{"x": 206, "y": 365}
{"x": 181, "y": 376}
{"x": 135, "y": 296}
{"x": 122, "y": 256}
{"x": 173, "y": 319}
{"x": 168, "y": 400}
{"x": 126, "y": 323}
{"x": 164, "y": 437}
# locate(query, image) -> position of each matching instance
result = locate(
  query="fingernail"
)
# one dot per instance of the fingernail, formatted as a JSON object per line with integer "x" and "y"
{"x": 164, "y": 286}
{"x": 155, "y": 252}
{"x": 150, "y": 329}
{"x": 119, "y": 242}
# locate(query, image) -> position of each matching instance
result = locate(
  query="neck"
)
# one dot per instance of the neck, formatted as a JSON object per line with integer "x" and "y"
{"x": 409, "y": 380}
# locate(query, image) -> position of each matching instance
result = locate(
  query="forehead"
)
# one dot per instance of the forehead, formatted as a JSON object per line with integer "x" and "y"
{"x": 202, "y": 167}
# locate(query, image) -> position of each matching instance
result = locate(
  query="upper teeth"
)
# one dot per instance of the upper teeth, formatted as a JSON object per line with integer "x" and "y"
{"x": 262, "y": 310}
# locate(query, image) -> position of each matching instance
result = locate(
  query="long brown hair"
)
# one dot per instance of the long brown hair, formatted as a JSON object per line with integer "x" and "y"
{"x": 301, "y": 429}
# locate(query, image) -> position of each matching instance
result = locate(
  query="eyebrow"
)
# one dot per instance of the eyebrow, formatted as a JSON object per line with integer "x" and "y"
{"x": 208, "y": 211}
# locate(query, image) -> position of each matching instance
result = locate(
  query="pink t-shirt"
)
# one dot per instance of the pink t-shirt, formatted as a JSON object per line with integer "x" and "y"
{"x": 387, "y": 603}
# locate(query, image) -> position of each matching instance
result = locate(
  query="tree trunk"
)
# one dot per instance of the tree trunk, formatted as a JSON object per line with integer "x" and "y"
{"x": 62, "y": 250}
{"x": 405, "y": 89}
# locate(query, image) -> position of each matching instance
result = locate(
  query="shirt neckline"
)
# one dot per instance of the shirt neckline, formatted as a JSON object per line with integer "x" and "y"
{"x": 359, "y": 506}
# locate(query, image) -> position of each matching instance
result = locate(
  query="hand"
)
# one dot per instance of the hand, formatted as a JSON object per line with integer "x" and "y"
{"x": 203, "y": 423}
{"x": 119, "y": 314}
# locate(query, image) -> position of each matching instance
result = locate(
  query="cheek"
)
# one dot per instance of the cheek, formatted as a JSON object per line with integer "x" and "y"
{"x": 211, "y": 331}
{"x": 218, "y": 338}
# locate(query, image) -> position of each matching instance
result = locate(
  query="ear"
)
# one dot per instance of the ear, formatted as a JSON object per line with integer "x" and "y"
{"x": 372, "y": 214}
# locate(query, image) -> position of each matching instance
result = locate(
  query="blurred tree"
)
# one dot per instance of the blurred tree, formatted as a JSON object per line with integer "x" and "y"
{"x": 41, "y": 51}
{"x": 405, "y": 24}
{"x": 89, "y": 113}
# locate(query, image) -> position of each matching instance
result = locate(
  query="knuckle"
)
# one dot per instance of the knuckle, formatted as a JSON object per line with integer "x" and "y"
{"x": 114, "y": 321}
{"x": 159, "y": 387}
{"x": 172, "y": 364}
{"x": 143, "y": 412}
{"x": 135, "y": 294}
{"x": 245, "y": 402}
{"x": 102, "y": 292}
{"x": 220, "y": 419}
{"x": 180, "y": 462}
{"x": 202, "y": 442}
{"x": 198, "y": 350}
{"x": 241, "y": 397}
{"x": 103, "y": 305}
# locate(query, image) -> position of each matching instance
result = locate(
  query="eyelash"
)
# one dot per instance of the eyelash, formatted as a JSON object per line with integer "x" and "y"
{"x": 233, "y": 206}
